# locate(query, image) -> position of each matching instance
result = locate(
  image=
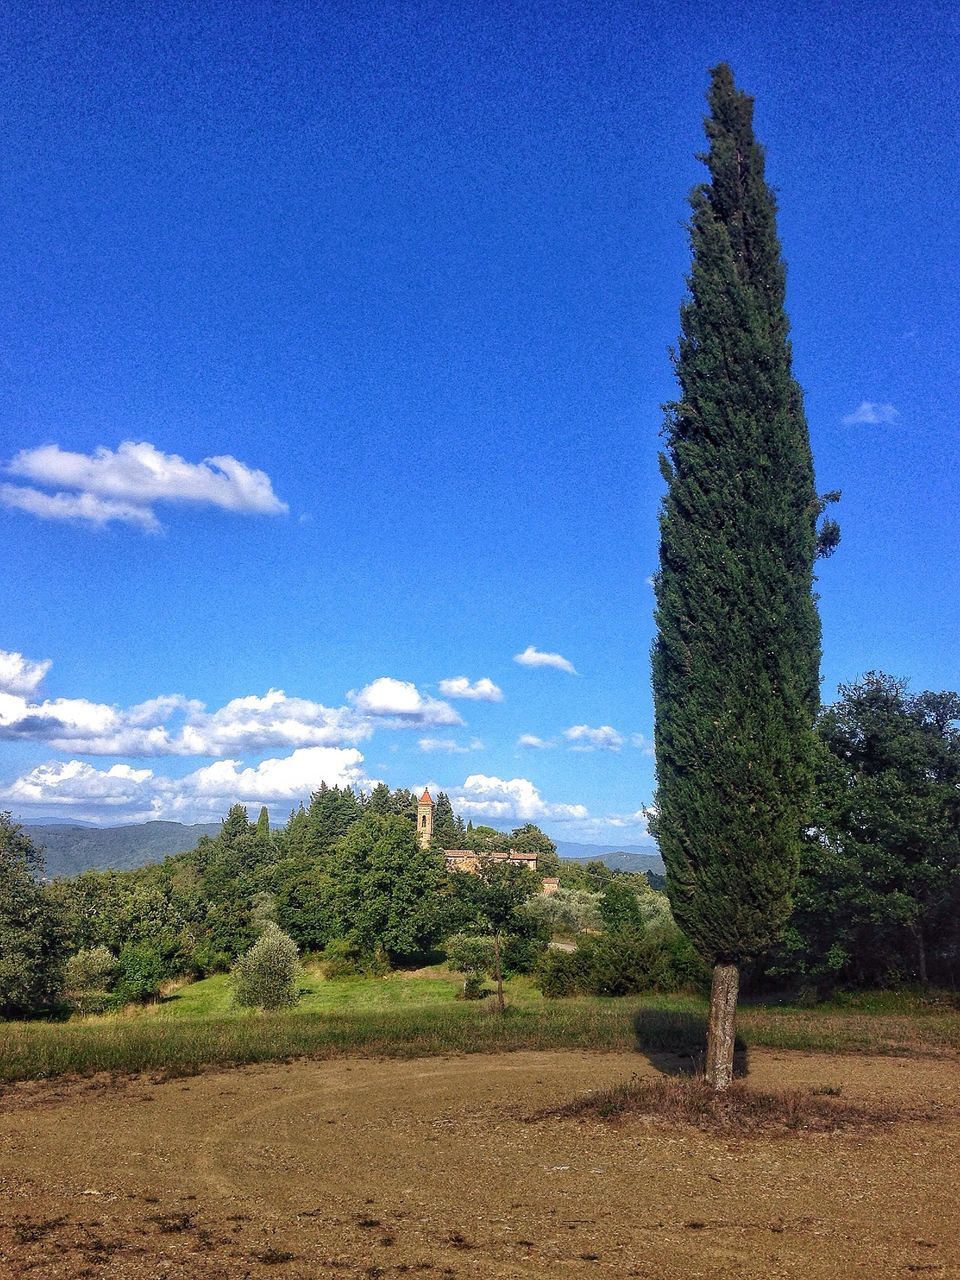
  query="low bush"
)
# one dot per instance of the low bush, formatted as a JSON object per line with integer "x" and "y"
{"x": 473, "y": 957}
{"x": 624, "y": 962}
{"x": 140, "y": 972}
{"x": 88, "y": 977}
{"x": 268, "y": 975}
{"x": 343, "y": 958}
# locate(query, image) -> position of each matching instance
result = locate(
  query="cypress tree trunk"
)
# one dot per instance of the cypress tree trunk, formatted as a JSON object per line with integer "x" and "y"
{"x": 722, "y": 1027}
{"x": 736, "y": 660}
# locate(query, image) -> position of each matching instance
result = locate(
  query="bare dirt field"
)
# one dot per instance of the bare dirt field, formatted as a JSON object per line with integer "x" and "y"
{"x": 432, "y": 1167}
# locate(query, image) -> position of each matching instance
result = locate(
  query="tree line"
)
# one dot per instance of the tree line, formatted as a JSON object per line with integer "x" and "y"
{"x": 877, "y": 900}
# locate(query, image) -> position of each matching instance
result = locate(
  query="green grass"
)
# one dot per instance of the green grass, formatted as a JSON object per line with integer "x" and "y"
{"x": 211, "y": 997}
{"x": 406, "y": 1015}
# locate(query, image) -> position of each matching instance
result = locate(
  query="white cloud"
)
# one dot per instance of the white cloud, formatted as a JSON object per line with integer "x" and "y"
{"x": 483, "y": 690}
{"x": 583, "y": 738}
{"x": 19, "y": 674}
{"x": 871, "y": 413}
{"x": 74, "y": 724}
{"x": 174, "y": 725}
{"x": 84, "y": 507}
{"x": 532, "y": 657}
{"x": 531, "y": 740}
{"x": 449, "y": 745}
{"x": 403, "y": 701}
{"x": 123, "y": 485}
{"x": 490, "y": 797}
{"x": 638, "y": 820}
{"x": 122, "y": 793}
{"x": 255, "y": 723}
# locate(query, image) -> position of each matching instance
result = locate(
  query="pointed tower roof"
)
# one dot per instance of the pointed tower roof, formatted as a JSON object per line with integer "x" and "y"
{"x": 426, "y": 798}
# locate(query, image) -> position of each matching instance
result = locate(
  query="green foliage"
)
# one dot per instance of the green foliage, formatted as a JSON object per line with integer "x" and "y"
{"x": 88, "y": 976}
{"x": 626, "y": 961}
{"x": 268, "y": 975}
{"x": 342, "y": 959}
{"x": 491, "y": 902}
{"x": 879, "y": 893}
{"x": 32, "y": 942}
{"x": 530, "y": 839}
{"x": 263, "y": 825}
{"x": 140, "y": 973}
{"x": 567, "y": 911}
{"x": 332, "y": 811}
{"x": 263, "y": 911}
{"x": 347, "y": 868}
{"x": 484, "y": 839}
{"x": 473, "y": 957}
{"x": 386, "y": 892}
{"x": 619, "y": 908}
{"x": 448, "y": 830}
{"x": 735, "y": 663}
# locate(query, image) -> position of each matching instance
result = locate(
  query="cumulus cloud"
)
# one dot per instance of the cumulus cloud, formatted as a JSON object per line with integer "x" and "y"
{"x": 74, "y": 724}
{"x": 583, "y": 738}
{"x": 491, "y": 797}
{"x": 83, "y": 507}
{"x": 533, "y": 657}
{"x": 123, "y": 793}
{"x": 401, "y": 700}
{"x": 449, "y": 745}
{"x": 174, "y": 725}
{"x": 483, "y": 690}
{"x": 123, "y": 485}
{"x": 871, "y": 413}
{"x": 531, "y": 740}
{"x": 19, "y": 674}
{"x": 254, "y": 723}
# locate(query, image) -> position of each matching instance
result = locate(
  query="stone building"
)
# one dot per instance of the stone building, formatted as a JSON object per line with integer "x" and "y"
{"x": 467, "y": 859}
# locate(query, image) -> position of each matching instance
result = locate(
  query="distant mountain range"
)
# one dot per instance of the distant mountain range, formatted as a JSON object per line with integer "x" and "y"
{"x": 69, "y": 848}
{"x": 621, "y": 857}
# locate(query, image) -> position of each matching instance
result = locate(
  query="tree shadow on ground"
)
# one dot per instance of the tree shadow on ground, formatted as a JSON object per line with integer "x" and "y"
{"x": 675, "y": 1040}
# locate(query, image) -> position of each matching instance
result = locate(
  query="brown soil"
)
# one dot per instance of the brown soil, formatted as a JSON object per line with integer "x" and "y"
{"x": 434, "y": 1168}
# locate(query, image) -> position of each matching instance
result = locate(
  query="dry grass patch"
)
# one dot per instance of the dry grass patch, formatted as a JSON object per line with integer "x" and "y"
{"x": 737, "y": 1111}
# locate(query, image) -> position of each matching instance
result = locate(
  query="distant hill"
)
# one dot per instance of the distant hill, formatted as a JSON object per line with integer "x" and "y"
{"x": 621, "y": 857}
{"x": 68, "y": 850}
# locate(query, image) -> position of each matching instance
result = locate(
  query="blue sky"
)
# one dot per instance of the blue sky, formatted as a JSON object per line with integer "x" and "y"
{"x": 408, "y": 274}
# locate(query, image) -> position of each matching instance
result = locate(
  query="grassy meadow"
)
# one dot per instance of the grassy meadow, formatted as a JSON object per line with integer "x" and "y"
{"x": 419, "y": 1014}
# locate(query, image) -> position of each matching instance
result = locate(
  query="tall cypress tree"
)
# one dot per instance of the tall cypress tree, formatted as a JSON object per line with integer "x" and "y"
{"x": 736, "y": 660}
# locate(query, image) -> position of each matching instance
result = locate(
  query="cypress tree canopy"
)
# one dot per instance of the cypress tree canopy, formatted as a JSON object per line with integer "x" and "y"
{"x": 736, "y": 660}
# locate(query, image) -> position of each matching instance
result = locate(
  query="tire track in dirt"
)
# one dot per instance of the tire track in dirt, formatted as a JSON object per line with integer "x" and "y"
{"x": 360, "y": 1168}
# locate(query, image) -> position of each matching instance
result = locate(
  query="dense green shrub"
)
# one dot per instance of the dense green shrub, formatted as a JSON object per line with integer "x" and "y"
{"x": 32, "y": 941}
{"x": 623, "y": 962}
{"x": 88, "y": 977}
{"x": 522, "y": 952}
{"x": 472, "y": 956}
{"x": 568, "y": 911}
{"x": 268, "y": 975}
{"x": 140, "y": 970}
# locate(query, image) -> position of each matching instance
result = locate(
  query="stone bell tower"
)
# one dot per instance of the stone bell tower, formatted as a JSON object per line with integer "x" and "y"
{"x": 424, "y": 819}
